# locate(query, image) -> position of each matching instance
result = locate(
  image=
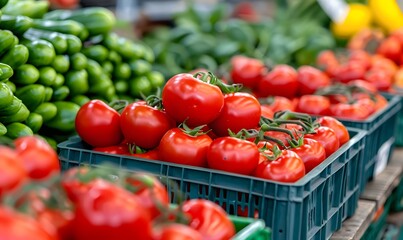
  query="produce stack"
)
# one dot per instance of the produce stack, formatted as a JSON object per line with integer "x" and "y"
{"x": 61, "y": 60}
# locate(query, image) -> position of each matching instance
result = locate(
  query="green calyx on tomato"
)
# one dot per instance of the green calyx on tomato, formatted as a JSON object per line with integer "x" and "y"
{"x": 213, "y": 80}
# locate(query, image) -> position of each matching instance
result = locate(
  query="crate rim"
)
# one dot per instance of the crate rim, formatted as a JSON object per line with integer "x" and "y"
{"x": 360, "y": 134}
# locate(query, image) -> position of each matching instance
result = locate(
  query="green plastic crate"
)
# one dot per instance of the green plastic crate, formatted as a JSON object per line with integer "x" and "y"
{"x": 399, "y": 127}
{"x": 250, "y": 229}
{"x": 312, "y": 208}
{"x": 375, "y": 230}
{"x": 379, "y": 142}
{"x": 397, "y": 204}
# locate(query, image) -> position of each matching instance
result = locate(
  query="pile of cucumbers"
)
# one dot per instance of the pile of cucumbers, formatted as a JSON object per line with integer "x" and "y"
{"x": 54, "y": 62}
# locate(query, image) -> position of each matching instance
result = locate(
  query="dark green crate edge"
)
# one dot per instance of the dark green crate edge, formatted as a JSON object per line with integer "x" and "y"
{"x": 399, "y": 127}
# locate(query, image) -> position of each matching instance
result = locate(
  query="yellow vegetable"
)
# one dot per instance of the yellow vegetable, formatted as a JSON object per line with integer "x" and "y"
{"x": 359, "y": 17}
{"x": 387, "y": 14}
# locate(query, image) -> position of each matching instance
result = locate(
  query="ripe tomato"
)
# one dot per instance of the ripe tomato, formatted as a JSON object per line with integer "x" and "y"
{"x": 288, "y": 167}
{"x": 56, "y": 222}
{"x": 283, "y": 136}
{"x": 359, "y": 110}
{"x": 266, "y": 111}
{"x": 327, "y": 61}
{"x": 144, "y": 125}
{"x": 349, "y": 71}
{"x": 98, "y": 124}
{"x": 310, "y": 79}
{"x": 379, "y": 62}
{"x": 177, "y": 146}
{"x": 12, "y": 171}
{"x": 209, "y": 219}
{"x": 107, "y": 211}
{"x": 247, "y": 71}
{"x": 314, "y": 104}
{"x": 38, "y": 157}
{"x": 390, "y": 48}
{"x": 380, "y": 78}
{"x": 174, "y": 231}
{"x": 381, "y": 102}
{"x": 281, "y": 81}
{"x": 233, "y": 155}
{"x": 338, "y": 127}
{"x": 278, "y": 103}
{"x": 71, "y": 184}
{"x": 360, "y": 57}
{"x": 327, "y": 137}
{"x": 187, "y": 98}
{"x": 151, "y": 192}
{"x": 65, "y": 4}
{"x": 150, "y": 154}
{"x": 15, "y": 226}
{"x": 240, "y": 111}
{"x": 364, "y": 84}
{"x": 121, "y": 149}
{"x": 311, "y": 152}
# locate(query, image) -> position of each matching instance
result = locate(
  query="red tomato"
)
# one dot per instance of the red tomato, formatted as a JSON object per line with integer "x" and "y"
{"x": 12, "y": 171}
{"x": 288, "y": 167}
{"x": 379, "y": 62}
{"x": 240, "y": 111}
{"x": 281, "y": 81}
{"x": 278, "y": 103}
{"x": 151, "y": 193}
{"x": 233, "y": 155}
{"x": 327, "y": 61}
{"x": 98, "y": 124}
{"x": 283, "y": 136}
{"x": 247, "y": 71}
{"x": 327, "y": 137}
{"x": 311, "y": 152}
{"x": 150, "y": 155}
{"x": 364, "y": 84}
{"x": 121, "y": 149}
{"x": 177, "y": 146}
{"x": 359, "y": 110}
{"x": 381, "y": 102}
{"x": 107, "y": 211}
{"x": 360, "y": 57}
{"x": 349, "y": 71}
{"x": 143, "y": 125}
{"x": 338, "y": 127}
{"x": 65, "y": 4}
{"x": 310, "y": 79}
{"x": 314, "y": 104}
{"x": 175, "y": 231}
{"x": 209, "y": 219}
{"x": 71, "y": 184}
{"x": 39, "y": 158}
{"x": 56, "y": 222}
{"x": 380, "y": 78}
{"x": 187, "y": 98}
{"x": 15, "y": 226}
{"x": 266, "y": 111}
{"x": 390, "y": 48}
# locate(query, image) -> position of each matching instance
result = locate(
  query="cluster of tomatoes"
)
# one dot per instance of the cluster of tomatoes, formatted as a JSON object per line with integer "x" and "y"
{"x": 102, "y": 203}
{"x": 201, "y": 121}
{"x": 345, "y": 90}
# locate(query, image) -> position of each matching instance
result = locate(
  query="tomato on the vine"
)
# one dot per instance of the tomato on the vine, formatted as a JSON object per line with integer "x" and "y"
{"x": 338, "y": 127}
{"x": 12, "y": 171}
{"x": 327, "y": 137}
{"x": 391, "y": 48}
{"x": 144, "y": 125}
{"x": 278, "y": 103}
{"x": 311, "y": 79}
{"x": 287, "y": 167}
{"x": 247, "y": 71}
{"x": 281, "y": 81}
{"x": 240, "y": 111}
{"x": 187, "y": 98}
{"x": 314, "y": 104}
{"x": 39, "y": 158}
{"x": 209, "y": 219}
{"x": 122, "y": 149}
{"x": 174, "y": 231}
{"x": 349, "y": 71}
{"x": 380, "y": 78}
{"x": 359, "y": 110}
{"x": 233, "y": 155}
{"x": 176, "y": 146}
{"x": 311, "y": 152}
{"x": 98, "y": 124}
{"x": 266, "y": 111}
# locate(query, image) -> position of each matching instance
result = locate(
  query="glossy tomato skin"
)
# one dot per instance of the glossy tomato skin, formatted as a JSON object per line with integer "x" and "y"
{"x": 144, "y": 125}
{"x": 311, "y": 79}
{"x": 364, "y": 84}
{"x": 380, "y": 78}
{"x": 327, "y": 137}
{"x": 150, "y": 155}
{"x": 57, "y": 222}
{"x": 288, "y": 167}
{"x": 266, "y": 111}
{"x": 327, "y": 61}
{"x": 314, "y": 104}
{"x": 39, "y": 158}
{"x": 240, "y": 111}
{"x": 152, "y": 195}
{"x": 209, "y": 219}
{"x": 282, "y": 136}
{"x": 175, "y": 231}
{"x": 349, "y": 71}
{"x": 359, "y": 110}
{"x": 187, "y": 98}
{"x": 107, "y": 211}
{"x": 279, "y": 103}
{"x": 15, "y": 226}
{"x": 12, "y": 171}
{"x": 233, "y": 155}
{"x": 247, "y": 71}
{"x": 122, "y": 149}
{"x": 338, "y": 127}
{"x": 360, "y": 57}
{"x": 179, "y": 147}
{"x": 98, "y": 124}
{"x": 390, "y": 48}
{"x": 281, "y": 81}
{"x": 311, "y": 152}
